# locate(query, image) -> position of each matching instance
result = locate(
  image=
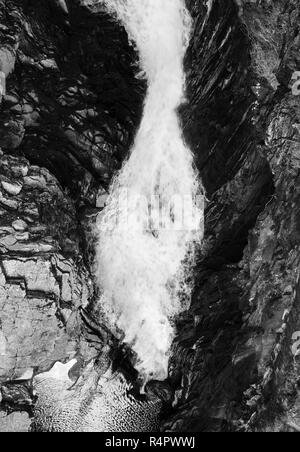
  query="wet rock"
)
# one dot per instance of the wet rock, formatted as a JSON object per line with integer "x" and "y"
{"x": 19, "y": 225}
{"x": 161, "y": 390}
{"x": 62, "y": 4}
{"x": 7, "y": 61}
{"x": 18, "y": 394}
{"x": 11, "y": 189}
{"x": 12, "y": 134}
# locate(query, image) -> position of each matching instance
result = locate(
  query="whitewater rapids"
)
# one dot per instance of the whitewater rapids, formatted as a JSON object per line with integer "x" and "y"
{"x": 153, "y": 218}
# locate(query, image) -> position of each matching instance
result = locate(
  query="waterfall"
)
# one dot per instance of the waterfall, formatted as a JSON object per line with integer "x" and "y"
{"x": 153, "y": 218}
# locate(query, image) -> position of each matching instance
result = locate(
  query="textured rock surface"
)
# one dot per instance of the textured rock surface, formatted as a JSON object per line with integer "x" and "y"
{"x": 234, "y": 363}
{"x": 42, "y": 282}
{"x": 72, "y": 102}
{"x": 72, "y": 105}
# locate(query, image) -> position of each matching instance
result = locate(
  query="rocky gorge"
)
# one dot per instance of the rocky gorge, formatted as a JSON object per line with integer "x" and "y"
{"x": 71, "y": 101}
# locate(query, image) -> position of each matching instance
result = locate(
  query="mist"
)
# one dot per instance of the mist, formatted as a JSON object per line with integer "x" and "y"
{"x": 152, "y": 223}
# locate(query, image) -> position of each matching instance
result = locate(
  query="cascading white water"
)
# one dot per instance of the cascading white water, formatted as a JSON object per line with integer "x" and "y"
{"x": 146, "y": 239}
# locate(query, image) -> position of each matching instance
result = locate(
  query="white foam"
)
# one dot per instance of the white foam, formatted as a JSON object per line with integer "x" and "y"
{"x": 58, "y": 371}
{"x": 141, "y": 272}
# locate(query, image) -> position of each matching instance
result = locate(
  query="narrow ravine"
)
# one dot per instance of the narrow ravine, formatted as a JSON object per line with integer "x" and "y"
{"x": 152, "y": 221}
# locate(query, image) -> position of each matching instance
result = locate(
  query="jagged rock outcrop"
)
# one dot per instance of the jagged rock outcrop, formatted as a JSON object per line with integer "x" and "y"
{"x": 43, "y": 281}
{"x": 73, "y": 100}
{"x": 234, "y": 360}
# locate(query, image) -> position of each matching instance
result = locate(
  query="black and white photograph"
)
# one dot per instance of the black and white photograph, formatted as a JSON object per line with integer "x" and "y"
{"x": 149, "y": 219}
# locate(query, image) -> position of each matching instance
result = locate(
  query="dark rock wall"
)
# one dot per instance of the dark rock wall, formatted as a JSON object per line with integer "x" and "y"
{"x": 67, "y": 119}
{"x": 216, "y": 117}
{"x": 73, "y": 102}
{"x": 234, "y": 365}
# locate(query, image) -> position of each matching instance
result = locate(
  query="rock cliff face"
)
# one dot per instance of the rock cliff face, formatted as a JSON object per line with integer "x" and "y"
{"x": 42, "y": 281}
{"x": 234, "y": 361}
{"x": 73, "y": 100}
{"x": 72, "y": 103}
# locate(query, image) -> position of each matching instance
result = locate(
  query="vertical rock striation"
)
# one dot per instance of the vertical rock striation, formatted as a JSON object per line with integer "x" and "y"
{"x": 234, "y": 366}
